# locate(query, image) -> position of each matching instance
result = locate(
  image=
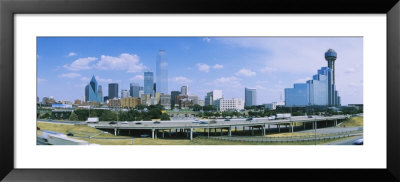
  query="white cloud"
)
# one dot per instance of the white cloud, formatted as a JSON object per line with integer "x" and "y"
{"x": 128, "y": 62}
{"x": 218, "y": 66}
{"x": 70, "y": 75}
{"x": 226, "y": 82}
{"x": 137, "y": 78}
{"x": 208, "y": 40}
{"x": 106, "y": 80}
{"x": 267, "y": 69}
{"x": 245, "y": 72}
{"x": 181, "y": 80}
{"x": 71, "y": 54}
{"x": 41, "y": 80}
{"x": 203, "y": 67}
{"x": 81, "y": 64}
{"x": 85, "y": 79}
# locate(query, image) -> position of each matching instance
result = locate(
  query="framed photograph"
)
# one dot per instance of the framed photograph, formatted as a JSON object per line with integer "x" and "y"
{"x": 199, "y": 89}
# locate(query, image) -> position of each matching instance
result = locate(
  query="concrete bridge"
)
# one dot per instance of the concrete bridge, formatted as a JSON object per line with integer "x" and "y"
{"x": 188, "y": 125}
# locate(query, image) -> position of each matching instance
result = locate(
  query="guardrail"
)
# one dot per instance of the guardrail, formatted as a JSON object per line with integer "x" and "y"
{"x": 292, "y": 138}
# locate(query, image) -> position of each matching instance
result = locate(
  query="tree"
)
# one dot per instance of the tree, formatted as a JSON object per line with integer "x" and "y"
{"x": 197, "y": 107}
{"x": 108, "y": 116}
{"x": 73, "y": 117}
{"x": 165, "y": 117}
{"x": 45, "y": 116}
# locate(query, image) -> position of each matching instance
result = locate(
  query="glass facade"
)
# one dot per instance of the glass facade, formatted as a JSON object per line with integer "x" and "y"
{"x": 148, "y": 83}
{"x": 113, "y": 90}
{"x": 318, "y": 91}
{"x": 134, "y": 90}
{"x": 250, "y": 96}
{"x": 162, "y": 72}
{"x": 93, "y": 92}
{"x": 100, "y": 94}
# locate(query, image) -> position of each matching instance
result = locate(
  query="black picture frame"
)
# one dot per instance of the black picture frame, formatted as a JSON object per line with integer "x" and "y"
{"x": 9, "y": 8}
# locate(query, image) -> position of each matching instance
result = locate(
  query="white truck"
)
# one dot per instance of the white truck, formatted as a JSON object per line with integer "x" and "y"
{"x": 283, "y": 116}
{"x": 92, "y": 120}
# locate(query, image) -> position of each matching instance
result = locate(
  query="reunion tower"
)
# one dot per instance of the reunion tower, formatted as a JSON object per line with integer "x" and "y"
{"x": 330, "y": 56}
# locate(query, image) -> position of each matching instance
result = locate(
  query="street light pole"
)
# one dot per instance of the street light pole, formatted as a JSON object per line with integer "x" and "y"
{"x": 315, "y": 131}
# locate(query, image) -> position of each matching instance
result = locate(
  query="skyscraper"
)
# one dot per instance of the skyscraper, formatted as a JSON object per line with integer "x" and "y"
{"x": 112, "y": 90}
{"x": 148, "y": 82}
{"x": 173, "y": 95}
{"x": 100, "y": 94}
{"x": 321, "y": 90}
{"x": 92, "y": 90}
{"x": 250, "y": 95}
{"x": 162, "y": 72}
{"x": 134, "y": 90}
{"x": 124, "y": 93}
{"x": 185, "y": 90}
{"x": 86, "y": 92}
{"x": 213, "y": 96}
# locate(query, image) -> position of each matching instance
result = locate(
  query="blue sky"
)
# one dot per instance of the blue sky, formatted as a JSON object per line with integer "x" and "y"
{"x": 269, "y": 64}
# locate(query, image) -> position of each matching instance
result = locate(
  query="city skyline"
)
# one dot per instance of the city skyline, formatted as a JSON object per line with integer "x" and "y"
{"x": 205, "y": 64}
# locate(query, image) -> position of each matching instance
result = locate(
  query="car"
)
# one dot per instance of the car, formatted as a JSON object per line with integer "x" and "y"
{"x": 227, "y": 120}
{"x": 138, "y": 123}
{"x": 50, "y": 120}
{"x": 156, "y": 122}
{"x": 249, "y": 119}
{"x": 70, "y": 134}
{"x": 203, "y": 122}
{"x": 309, "y": 116}
{"x": 125, "y": 122}
{"x": 112, "y": 122}
{"x": 359, "y": 142}
{"x": 213, "y": 122}
{"x": 196, "y": 121}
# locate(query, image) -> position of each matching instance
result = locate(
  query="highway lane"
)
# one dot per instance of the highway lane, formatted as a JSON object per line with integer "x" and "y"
{"x": 346, "y": 141}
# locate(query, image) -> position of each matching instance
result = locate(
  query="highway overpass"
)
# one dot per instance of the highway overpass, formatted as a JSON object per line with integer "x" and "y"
{"x": 187, "y": 126}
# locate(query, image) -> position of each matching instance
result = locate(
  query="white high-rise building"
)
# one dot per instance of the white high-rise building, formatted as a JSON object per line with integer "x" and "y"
{"x": 212, "y": 97}
{"x": 124, "y": 93}
{"x": 234, "y": 104}
{"x": 185, "y": 90}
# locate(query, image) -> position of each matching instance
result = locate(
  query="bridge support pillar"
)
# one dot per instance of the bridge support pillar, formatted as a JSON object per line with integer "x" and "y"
{"x": 304, "y": 125}
{"x": 291, "y": 124}
{"x": 235, "y": 129}
{"x": 115, "y": 131}
{"x": 263, "y": 130}
{"x": 269, "y": 128}
{"x": 335, "y": 122}
{"x": 191, "y": 133}
{"x": 221, "y": 132}
{"x": 230, "y": 131}
{"x": 163, "y": 134}
{"x": 279, "y": 128}
{"x": 252, "y": 131}
{"x": 152, "y": 133}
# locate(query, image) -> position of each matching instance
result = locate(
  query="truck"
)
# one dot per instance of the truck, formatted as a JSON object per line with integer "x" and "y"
{"x": 92, "y": 120}
{"x": 283, "y": 116}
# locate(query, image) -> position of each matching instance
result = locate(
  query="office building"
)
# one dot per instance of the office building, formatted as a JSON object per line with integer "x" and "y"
{"x": 145, "y": 99}
{"x": 320, "y": 91}
{"x": 91, "y": 91}
{"x": 124, "y": 93}
{"x": 185, "y": 90}
{"x": 173, "y": 95}
{"x": 212, "y": 97}
{"x": 194, "y": 98}
{"x": 134, "y": 90}
{"x": 105, "y": 99}
{"x": 148, "y": 83}
{"x": 115, "y": 102}
{"x": 162, "y": 72}
{"x": 100, "y": 93}
{"x": 273, "y": 105}
{"x": 165, "y": 101}
{"x": 113, "y": 90}
{"x": 250, "y": 96}
{"x": 130, "y": 102}
{"x": 234, "y": 104}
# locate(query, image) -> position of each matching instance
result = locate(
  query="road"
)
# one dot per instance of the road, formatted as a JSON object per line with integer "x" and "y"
{"x": 346, "y": 141}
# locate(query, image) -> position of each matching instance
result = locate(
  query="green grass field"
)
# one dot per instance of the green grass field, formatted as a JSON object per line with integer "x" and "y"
{"x": 353, "y": 121}
{"x": 81, "y": 132}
